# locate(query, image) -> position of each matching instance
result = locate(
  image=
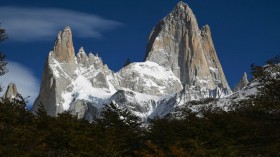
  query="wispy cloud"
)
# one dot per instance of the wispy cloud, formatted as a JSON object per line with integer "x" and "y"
{"x": 27, "y": 84}
{"x": 29, "y": 24}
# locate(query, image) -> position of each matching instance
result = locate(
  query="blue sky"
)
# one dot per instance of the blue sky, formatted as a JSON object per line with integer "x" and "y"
{"x": 244, "y": 32}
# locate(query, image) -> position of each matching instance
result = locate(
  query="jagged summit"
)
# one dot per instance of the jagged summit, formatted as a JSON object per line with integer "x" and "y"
{"x": 178, "y": 44}
{"x": 182, "y": 13}
{"x": 242, "y": 83}
{"x": 183, "y": 7}
{"x": 205, "y": 31}
{"x": 82, "y": 56}
{"x": 81, "y": 49}
{"x": 63, "y": 48}
{"x": 181, "y": 3}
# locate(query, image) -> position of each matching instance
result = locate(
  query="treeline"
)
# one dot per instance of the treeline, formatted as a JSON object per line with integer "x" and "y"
{"x": 119, "y": 133}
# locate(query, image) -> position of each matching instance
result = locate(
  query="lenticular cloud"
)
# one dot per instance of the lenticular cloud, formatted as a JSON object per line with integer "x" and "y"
{"x": 28, "y": 24}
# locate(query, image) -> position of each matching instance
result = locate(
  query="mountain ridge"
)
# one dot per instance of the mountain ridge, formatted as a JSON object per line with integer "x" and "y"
{"x": 83, "y": 83}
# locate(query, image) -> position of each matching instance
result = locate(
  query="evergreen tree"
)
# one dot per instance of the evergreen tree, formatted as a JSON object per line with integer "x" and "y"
{"x": 3, "y": 63}
{"x": 268, "y": 76}
{"x": 120, "y": 130}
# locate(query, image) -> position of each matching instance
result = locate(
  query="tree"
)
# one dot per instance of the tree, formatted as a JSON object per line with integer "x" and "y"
{"x": 120, "y": 130}
{"x": 3, "y": 35}
{"x": 3, "y": 63}
{"x": 268, "y": 77}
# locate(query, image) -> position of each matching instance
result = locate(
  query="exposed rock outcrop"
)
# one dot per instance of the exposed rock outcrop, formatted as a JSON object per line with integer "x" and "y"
{"x": 178, "y": 44}
{"x": 64, "y": 49}
{"x": 82, "y": 57}
{"x": 11, "y": 92}
{"x": 83, "y": 109}
{"x": 242, "y": 83}
{"x": 58, "y": 72}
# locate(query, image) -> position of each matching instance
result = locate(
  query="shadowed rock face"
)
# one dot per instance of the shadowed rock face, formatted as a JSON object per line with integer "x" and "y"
{"x": 242, "y": 83}
{"x": 178, "y": 44}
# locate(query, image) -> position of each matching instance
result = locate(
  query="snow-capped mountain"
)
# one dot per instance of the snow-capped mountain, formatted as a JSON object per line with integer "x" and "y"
{"x": 181, "y": 65}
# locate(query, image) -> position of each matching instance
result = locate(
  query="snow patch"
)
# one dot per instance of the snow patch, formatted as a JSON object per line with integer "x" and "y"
{"x": 213, "y": 69}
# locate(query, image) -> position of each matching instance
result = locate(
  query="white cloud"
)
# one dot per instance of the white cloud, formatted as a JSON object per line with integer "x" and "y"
{"x": 27, "y": 84}
{"x": 29, "y": 24}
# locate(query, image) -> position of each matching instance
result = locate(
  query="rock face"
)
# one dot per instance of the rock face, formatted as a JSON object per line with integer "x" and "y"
{"x": 11, "y": 92}
{"x": 65, "y": 75}
{"x": 181, "y": 65}
{"x": 83, "y": 109}
{"x": 178, "y": 44}
{"x": 63, "y": 49}
{"x": 58, "y": 72}
{"x": 139, "y": 104}
{"x": 242, "y": 83}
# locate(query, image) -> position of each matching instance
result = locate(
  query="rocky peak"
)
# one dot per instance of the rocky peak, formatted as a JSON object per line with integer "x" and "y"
{"x": 95, "y": 60}
{"x": 82, "y": 56}
{"x": 90, "y": 55}
{"x": 178, "y": 44}
{"x": 63, "y": 48}
{"x": 98, "y": 63}
{"x": 205, "y": 31}
{"x": 11, "y": 92}
{"x": 181, "y": 4}
{"x": 182, "y": 14}
{"x": 81, "y": 51}
{"x": 242, "y": 83}
{"x": 181, "y": 8}
{"x": 58, "y": 73}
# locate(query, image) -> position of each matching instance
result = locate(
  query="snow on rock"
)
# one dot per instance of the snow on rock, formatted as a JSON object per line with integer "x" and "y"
{"x": 181, "y": 65}
{"x": 150, "y": 78}
{"x": 83, "y": 90}
{"x": 226, "y": 103}
{"x": 139, "y": 104}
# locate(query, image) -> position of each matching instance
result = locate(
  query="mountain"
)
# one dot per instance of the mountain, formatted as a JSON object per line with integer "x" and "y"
{"x": 178, "y": 44}
{"x": 11, "y": 92}
{"x": 67, "y": 78}
{"x": 181, "y": 65}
